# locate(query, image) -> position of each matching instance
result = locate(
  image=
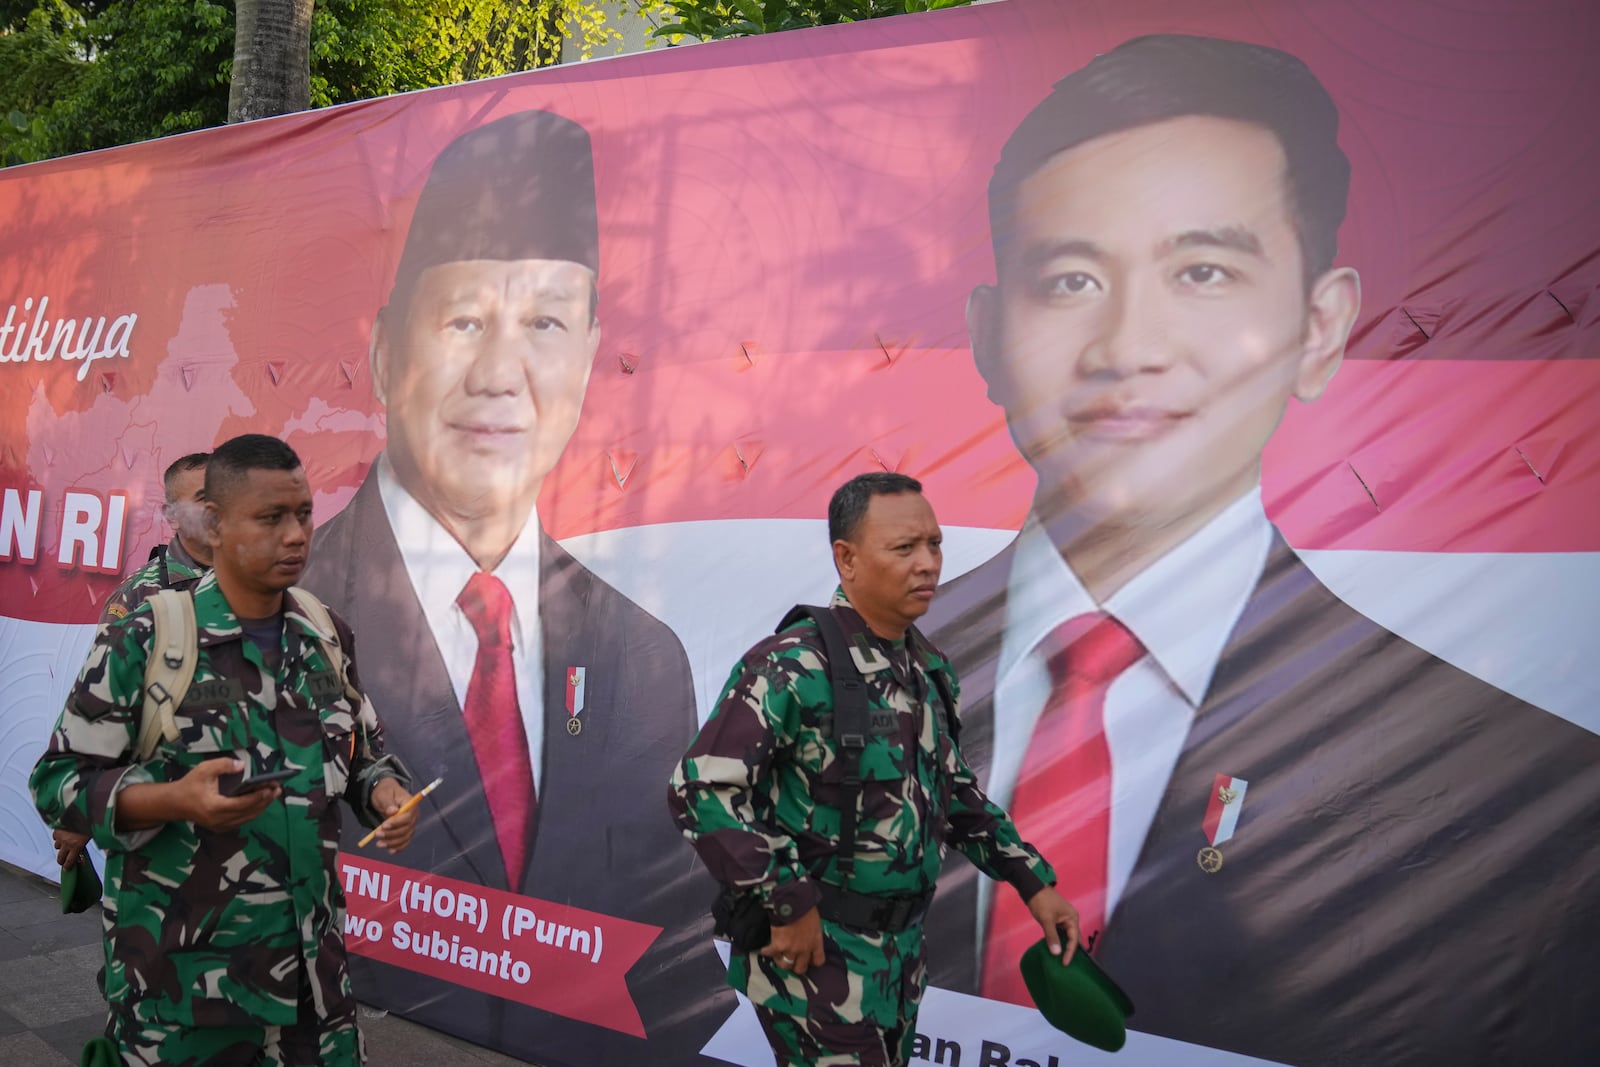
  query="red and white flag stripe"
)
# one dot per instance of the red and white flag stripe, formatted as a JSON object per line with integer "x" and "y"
{"x": 1222, "y": 812}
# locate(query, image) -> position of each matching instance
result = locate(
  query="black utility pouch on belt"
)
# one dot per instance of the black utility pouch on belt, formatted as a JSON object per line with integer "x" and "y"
{"x": 741, "y": 920}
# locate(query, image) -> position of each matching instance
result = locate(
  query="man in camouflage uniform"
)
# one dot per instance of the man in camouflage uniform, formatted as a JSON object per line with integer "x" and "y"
{"x": 224, "y": 914}
{"x": 187, "y": 556}
{"x": 759, "y": 793}
{"x": 178, "y": 565}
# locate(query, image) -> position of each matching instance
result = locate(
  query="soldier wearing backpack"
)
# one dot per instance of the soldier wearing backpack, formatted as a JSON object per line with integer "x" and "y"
{"x": 224, "y": 912}
{"x": 182, "y": 562}
{"x": 178, "y": 565}
{"x": 823, "y": 789}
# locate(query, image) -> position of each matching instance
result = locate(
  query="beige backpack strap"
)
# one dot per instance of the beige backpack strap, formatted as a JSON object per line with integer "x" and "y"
{"x": 174, "y": 651}
{"x": 316, "y": 613}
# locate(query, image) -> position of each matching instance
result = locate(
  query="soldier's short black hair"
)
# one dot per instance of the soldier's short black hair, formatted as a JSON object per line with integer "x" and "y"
{"x": 236, "y": 458}
{"x": 192, "y": 462}
{"x": 849, "y": 504}
{"x": 1167, "y": 76}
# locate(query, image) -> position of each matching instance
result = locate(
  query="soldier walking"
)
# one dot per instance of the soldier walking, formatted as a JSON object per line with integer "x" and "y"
{"x": 179, "y": 564}
{"x": 223, "y": 912}
{"x": 837, "y": 853}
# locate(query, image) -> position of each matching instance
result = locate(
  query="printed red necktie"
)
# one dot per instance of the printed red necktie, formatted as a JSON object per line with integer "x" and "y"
{"x": 1062, "y": 802}
{"x": 494, "y": 722}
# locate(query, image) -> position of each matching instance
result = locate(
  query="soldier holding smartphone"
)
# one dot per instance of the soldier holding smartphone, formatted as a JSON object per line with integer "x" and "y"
{"x": 224, "y": 912}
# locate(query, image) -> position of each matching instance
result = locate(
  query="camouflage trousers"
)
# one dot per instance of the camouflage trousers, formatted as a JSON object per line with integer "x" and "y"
{"x": 859, "y": 1009}
{"x": 308, "y": 1042}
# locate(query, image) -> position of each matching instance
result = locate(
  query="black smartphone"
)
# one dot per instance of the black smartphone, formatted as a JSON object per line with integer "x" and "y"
{"x": 242, "y": 786}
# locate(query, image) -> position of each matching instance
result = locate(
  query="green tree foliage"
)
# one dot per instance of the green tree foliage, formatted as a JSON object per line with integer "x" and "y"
{"x": 37, "y": 65}
{"x": 714, "y": 19}
{"x": 83, "y": 74}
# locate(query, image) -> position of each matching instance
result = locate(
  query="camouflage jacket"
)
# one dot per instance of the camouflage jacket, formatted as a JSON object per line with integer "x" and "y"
{"x": 173, "y": 569}
{"x": 758, "y": 791}
{"x": 215, "y": 929}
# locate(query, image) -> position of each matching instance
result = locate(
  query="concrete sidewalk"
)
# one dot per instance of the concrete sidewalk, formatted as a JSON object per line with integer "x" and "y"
{"x": 49, "y": 1005}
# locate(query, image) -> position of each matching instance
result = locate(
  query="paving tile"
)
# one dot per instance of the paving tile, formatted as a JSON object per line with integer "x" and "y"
{"x": 13, "y": 947}
{"x": 69, "y": 1037}
{"x": 30, "y": 911}
{"x": 20, "y": 885}
{"x": 10, "y": 1024}
{"x": 45, "y": 990}
{"x": 28, "y": 1050}
{"x": 63, "y": 932}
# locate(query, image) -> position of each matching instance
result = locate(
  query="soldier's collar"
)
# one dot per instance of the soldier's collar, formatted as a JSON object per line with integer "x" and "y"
{"x": 215, "y": 621}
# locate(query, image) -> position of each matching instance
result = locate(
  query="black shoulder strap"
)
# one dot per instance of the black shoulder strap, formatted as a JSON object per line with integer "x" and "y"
{"x": 851, "y": 720}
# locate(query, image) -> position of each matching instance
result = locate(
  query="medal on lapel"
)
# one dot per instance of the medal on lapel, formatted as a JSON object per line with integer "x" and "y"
{"x": 575, "y": 681}
{"x": 1222, "y": 818}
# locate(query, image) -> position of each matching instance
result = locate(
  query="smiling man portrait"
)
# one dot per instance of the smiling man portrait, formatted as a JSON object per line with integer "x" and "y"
{"x": 482, "y": 631}
{"x": 1289, "y": 833}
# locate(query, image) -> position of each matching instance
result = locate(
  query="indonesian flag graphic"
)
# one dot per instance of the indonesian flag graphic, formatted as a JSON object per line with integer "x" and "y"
{"x": 1222, "y": 812}
{"x": 575, "y": 680}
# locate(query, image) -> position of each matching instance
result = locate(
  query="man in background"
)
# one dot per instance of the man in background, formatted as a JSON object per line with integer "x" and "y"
{"x": 178, "y": 565}
{"x": 187, "y": 557}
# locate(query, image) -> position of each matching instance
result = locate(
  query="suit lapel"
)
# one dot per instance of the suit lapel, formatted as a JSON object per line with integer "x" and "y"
{"x": 566, "y": 625}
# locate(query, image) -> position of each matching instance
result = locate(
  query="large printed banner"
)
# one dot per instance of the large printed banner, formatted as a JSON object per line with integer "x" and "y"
{"x": 1274, "y": 337}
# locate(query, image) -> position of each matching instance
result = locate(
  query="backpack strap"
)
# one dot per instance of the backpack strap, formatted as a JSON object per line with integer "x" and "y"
{"x": 851, "y": 721}
{"x": 321, "y": 620}
{"x": 316, "y": 613}
{"x": 168, "y": 670}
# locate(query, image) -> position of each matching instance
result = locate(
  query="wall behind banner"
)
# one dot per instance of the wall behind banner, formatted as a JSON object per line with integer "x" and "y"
{"x": 789, "y": 230}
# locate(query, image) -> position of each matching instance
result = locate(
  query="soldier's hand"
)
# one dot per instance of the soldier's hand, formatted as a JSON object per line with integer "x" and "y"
{"x": 798, "y": 946}
{"x": 69, "y": 847}
{"x": 1054, "y": 914}
{"x": 388, "y": 797}
{"x": 206, "y": 805}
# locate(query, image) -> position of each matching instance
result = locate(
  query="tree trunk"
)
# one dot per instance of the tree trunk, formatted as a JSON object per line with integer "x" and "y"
{"x": 271, "y": 59}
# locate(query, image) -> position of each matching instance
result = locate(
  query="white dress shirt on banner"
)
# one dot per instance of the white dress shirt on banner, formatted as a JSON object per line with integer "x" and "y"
{"x": 1182, "y": 609}
{"x": 439, "y": 568}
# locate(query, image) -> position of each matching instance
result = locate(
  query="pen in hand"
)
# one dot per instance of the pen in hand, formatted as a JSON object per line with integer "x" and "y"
{"x": 416, "y": 798}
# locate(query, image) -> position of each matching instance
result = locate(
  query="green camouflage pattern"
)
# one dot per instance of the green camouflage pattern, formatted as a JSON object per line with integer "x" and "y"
{"x": 758, "y": 795}
{"x": 173, "y": 569}
{"x": 858, "y": 1009}
{"x": 309, "y": 1042}
{"x": 211, "y": 929}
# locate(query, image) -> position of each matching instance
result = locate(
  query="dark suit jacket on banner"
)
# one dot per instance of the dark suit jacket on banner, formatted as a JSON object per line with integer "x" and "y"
{"x": 1415, "y": 875}
{"x": 603, "y": 839}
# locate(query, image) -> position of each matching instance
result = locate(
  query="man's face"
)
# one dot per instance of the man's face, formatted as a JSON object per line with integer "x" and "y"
{"x": 186, "y": 506}
{"x": 484, "y": 380}
{"x": 1152, "y": 321}
{"x": 260, "y": 533}
{"x": 890, "y": 566}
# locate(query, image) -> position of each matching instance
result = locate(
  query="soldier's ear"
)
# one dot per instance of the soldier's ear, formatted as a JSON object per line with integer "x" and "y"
{"x": 844, "y": 559}
{"x": 213, "y": 524}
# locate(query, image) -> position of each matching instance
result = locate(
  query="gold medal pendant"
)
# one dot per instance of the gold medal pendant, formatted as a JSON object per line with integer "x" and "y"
{"x": 1222, "y": 819}
{"x": 577, "y": 682}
